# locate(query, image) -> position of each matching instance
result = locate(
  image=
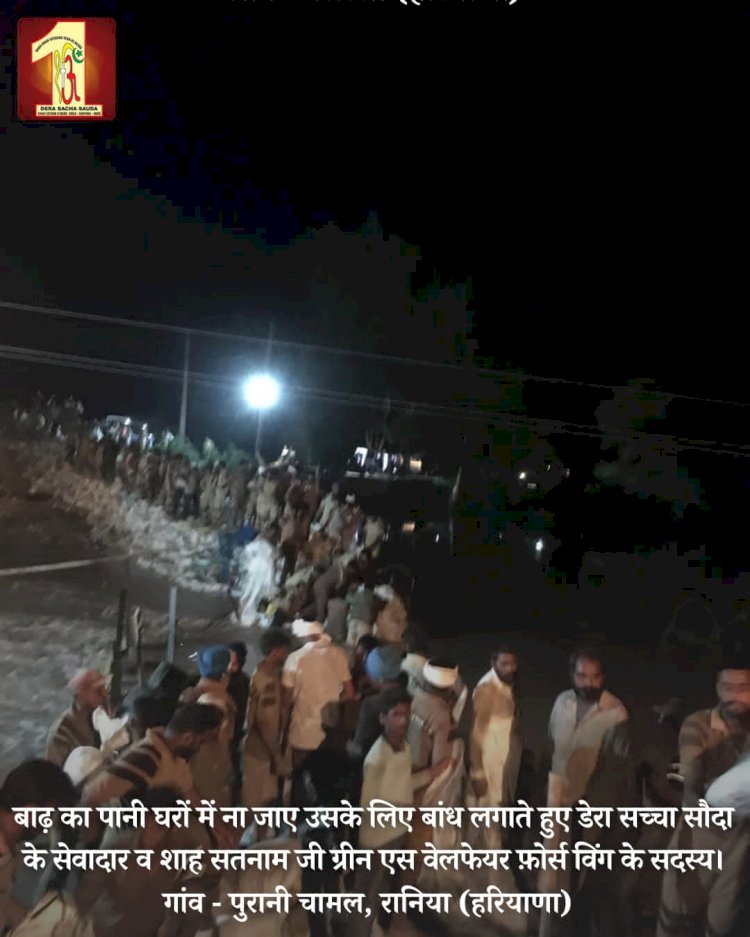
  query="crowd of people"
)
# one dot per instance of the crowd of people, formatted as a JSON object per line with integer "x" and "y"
{"x": 318, "y": 723}
{"x": 281, "y": 502}
{"x": 348, "y": 702}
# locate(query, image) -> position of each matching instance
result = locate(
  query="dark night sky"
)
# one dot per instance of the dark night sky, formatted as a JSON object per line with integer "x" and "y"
{"x": 579, "y": 168}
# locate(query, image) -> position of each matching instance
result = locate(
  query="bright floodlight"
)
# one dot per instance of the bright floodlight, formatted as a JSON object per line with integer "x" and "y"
{"x": 261, "y": 391}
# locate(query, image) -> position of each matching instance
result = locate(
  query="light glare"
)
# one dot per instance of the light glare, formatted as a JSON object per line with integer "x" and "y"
{"x": 261, "y": 392}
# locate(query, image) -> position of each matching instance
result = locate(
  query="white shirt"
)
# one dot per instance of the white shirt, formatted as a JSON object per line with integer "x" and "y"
{"x": 732, "y": 789}
{"x": 105, "y": 725}
{"x": 387, "y": 776}
{"x": 315, "y": 674}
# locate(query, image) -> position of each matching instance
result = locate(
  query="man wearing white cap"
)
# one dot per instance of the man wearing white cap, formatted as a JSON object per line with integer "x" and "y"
{"x": 431, "y": 730}
{"x": 315, "y": 680}
{"x": 75, "y": 727}
{"x": 432, "y": 723}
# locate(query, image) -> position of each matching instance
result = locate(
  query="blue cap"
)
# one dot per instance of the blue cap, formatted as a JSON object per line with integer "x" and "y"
{"x": 213, "y": 661}
{"x": 384, "y": 663}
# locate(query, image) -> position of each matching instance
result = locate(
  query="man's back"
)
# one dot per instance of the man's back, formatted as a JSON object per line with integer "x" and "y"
{"x": 147, "y": 764}
{"x": 707, "y": 751}
{"x": 316, "y": 678}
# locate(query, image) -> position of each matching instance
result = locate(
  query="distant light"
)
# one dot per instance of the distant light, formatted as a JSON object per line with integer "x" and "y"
{"x": 415, "y": 465}
{"x": 261, "y": 391}
{"x": 437, "y": 538}
{"x": 409, "y": 527}
{"x": 539, "y": 545}
{"x": 522, "y": 475}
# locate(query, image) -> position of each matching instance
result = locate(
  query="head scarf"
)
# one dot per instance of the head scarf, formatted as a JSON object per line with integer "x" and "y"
{"x": 440, "y": 677}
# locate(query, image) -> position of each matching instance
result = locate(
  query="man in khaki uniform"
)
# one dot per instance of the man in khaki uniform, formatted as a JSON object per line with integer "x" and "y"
{"x": 211, "y": 767}
{"x": 264, "y": 758}
{"x": 431, "y": 734}
{"x": 315, "y": 679}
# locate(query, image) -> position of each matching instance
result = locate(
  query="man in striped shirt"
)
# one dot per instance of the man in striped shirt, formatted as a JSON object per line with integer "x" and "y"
{"x": 160, "y": 759}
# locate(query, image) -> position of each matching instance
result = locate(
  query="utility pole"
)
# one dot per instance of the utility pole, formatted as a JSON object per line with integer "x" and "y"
{"x": 185, "y": 372}
{"x": 172, "y": 626}
{"x": 259, "y": 427}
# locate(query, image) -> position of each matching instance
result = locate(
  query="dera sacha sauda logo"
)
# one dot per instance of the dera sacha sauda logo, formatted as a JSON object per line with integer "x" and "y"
{"x": 66, "y": 69}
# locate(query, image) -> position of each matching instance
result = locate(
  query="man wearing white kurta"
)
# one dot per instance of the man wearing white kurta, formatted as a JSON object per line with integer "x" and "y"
{"x": 580, "y": 721}
{"x": 495, "y": 745}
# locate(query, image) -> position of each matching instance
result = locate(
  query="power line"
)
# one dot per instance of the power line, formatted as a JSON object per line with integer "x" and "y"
{"x": 541, "y": 426}
{"x": 126, "y": 369}
{"x": 467, "y": 370}
{"x": 230, "y": 336}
